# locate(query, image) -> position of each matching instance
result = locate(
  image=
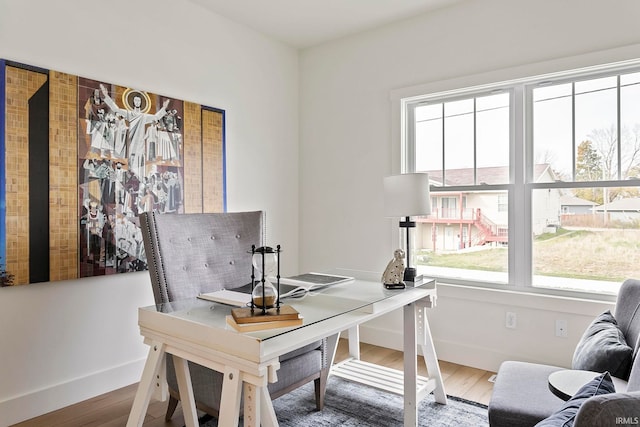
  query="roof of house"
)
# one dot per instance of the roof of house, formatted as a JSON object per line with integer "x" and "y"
{"x": 629, "y": 205}
{"x": 489, "y": 175}
{"x": 569, "y": 200}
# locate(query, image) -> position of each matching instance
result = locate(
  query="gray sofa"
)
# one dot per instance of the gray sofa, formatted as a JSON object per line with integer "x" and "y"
{"x": 521, "y": 395}
{"x": 191, "y": 254}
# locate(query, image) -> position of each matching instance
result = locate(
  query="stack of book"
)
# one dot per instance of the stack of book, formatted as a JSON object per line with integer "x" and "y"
{"x": 248, "y": 320}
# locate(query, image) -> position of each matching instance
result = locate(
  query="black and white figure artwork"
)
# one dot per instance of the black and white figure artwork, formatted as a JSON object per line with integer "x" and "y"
{"x": 129, "y": 162}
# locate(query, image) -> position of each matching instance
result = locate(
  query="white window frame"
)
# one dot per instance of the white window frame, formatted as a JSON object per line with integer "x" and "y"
{"x": 520, "y": 187}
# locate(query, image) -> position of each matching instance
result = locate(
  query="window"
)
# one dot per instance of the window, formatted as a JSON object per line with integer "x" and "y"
{"x": 463, "y": 143}
{"x": 449, "y": 209}
{"x": 535, "y": 184}
{"x": 503, "y": 202}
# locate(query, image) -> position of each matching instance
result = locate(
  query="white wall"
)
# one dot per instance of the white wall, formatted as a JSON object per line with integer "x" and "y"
{"x": 349, "y": 142}
{"x": 66, "y": 341}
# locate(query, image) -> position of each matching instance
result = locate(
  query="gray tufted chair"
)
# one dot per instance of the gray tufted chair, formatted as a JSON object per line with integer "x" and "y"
{"x": 191, "y": 254}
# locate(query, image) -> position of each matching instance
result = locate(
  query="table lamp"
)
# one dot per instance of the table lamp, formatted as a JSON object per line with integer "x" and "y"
{"x": 405, "y": 196}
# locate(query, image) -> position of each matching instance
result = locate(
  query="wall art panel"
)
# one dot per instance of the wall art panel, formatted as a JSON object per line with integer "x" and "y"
{"x": 82, "y": 158}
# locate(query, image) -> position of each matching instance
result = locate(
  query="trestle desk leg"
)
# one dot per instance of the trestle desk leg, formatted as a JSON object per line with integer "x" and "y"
{"x": 230, "y": 400}
{"x": 430, "y": 358}
{"x": 410, "y": 367}
{"x": 186, "y": 392}
{"x": 354, "y": 342}
{"x": 146, "y": 386}
{"x": 267, "y": 413}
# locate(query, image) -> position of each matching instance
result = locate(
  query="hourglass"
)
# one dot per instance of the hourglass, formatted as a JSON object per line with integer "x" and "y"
{"x": 265, "y": 260}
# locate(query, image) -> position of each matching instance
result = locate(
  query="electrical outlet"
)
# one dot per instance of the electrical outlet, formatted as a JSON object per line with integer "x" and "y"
{"x": 510, "y": 320}
{"x": 561, "y": 328}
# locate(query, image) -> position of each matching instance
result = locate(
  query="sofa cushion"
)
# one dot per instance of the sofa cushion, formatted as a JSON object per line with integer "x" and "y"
{"x": 603, "y": 348}
{"x": 602, "y": 384}
{"x": 521, "y": 395}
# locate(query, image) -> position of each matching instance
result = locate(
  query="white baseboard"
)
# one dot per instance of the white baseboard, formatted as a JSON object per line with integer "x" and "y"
{"x": 462, "y": 354}
{"x": 475, "y": 357}
{"x": 29, "y": 405}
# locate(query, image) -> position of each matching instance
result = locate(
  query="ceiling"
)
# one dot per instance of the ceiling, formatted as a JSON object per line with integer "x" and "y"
{"x": 305, "y": 23}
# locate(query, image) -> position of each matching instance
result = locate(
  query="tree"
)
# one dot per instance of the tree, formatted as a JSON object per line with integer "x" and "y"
{"x": 631, "y": 152}
{"x": 605, "y": 143}
{"x": 588, "y": 162}
{"x": 588, "y": 168}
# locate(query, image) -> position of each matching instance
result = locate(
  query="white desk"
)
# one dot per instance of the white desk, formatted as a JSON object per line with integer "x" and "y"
{"x": 196, "y": 330}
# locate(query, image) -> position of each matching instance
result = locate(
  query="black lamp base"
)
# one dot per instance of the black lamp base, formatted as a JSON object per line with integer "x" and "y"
{"x": 409, "y": 274}
{"x": 411, "y": 278}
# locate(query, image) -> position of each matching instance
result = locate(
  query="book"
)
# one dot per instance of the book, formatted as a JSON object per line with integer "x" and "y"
{"x": 245, "y": 315}
{"x": 311, "y": 280}
{"x": 261, "y": 326}
{"x": 302, "y": 284}
{"x": 225, "y": 296}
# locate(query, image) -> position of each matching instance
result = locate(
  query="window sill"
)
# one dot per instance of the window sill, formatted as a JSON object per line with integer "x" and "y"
{"x": 533, "y": 300}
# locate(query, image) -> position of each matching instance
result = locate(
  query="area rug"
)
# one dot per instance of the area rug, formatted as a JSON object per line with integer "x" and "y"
{"x": 349, "y": 404}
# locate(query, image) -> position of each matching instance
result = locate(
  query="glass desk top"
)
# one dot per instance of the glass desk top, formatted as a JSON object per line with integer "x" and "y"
{"x": 317, "y": 306}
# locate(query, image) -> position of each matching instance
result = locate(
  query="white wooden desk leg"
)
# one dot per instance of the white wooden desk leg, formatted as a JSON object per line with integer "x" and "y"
{"x": 161, "y": 388}
{"x": 430, "y": 358}
{"x": 266, "y": 409}
{"x": 230, "y": 400}
{"x": 186, "y": 392}
{"x": 410, "y": 367}
{"x": 258, "y": 408}
{"x": 251, "y": 405}
{"x": 146, "y": 386}
{"x": 354, "y": 342}
{"x": 332, "y": 347}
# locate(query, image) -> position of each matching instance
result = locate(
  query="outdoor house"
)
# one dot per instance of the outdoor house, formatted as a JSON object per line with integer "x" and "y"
{"x": 474, "y": 219}
{"x": 572, "y": 205}
{"x": 625, "y": 211}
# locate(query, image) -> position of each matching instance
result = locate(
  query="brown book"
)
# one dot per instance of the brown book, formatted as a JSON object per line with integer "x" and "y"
{"x": 261, "y": 326}
{"x": 245, "y": 315}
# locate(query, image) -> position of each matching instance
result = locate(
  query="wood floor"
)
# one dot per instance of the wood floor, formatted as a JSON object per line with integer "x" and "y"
{"x": 112, "y": 409}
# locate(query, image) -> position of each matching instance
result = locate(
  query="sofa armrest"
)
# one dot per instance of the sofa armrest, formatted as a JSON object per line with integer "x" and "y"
{"x": 610, "y": 410}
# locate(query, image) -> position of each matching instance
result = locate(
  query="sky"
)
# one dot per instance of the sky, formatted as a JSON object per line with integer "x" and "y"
{"x": 595, "y": 110}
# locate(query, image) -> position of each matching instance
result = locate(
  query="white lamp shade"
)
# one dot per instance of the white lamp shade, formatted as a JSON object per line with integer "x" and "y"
{"x": 407, "y": 195}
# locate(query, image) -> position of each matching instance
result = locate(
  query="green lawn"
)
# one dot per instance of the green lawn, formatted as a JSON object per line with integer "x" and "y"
{"x": 599, "y": 255}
